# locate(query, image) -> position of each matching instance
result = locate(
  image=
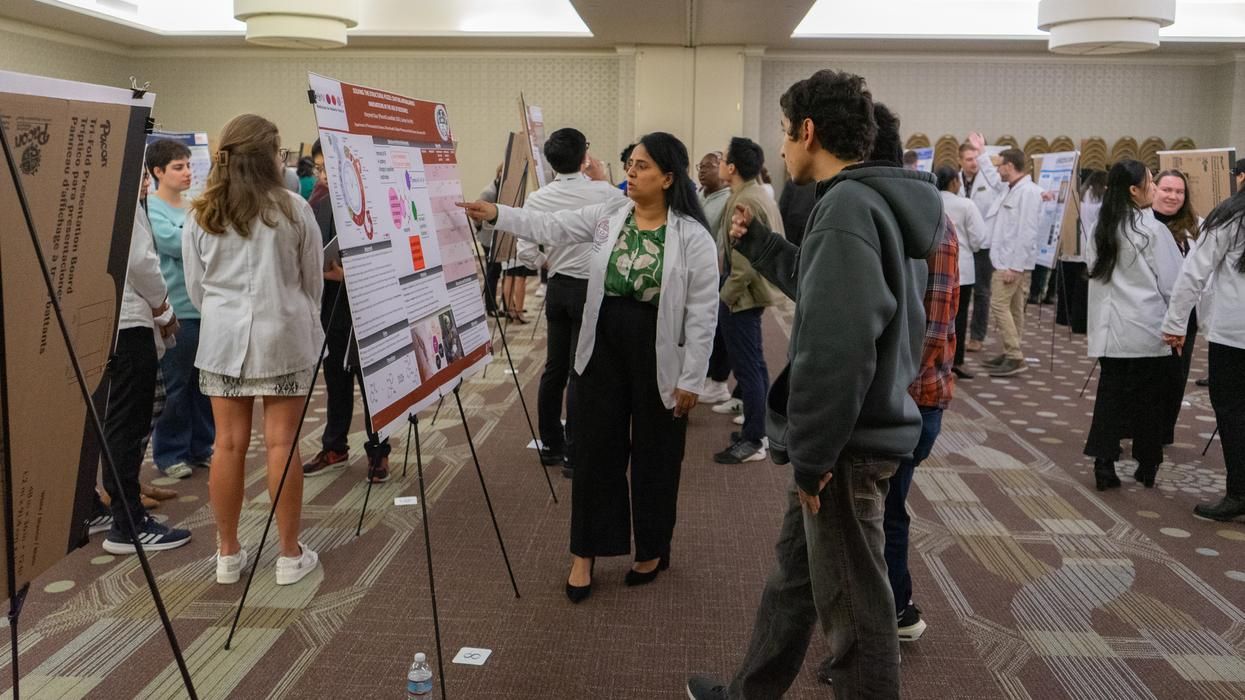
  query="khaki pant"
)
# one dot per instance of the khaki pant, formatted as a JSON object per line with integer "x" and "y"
{"x": 1007, "y": 307}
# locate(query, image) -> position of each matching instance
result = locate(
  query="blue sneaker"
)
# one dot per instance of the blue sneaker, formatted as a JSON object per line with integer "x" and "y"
{"x": 153, "y": 536}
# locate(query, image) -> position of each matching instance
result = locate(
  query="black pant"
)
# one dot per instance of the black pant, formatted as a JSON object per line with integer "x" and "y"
{"x": 719, "y": 359}
{"x": 1227, "y": 397}
{"x": 130, "y": 388}
{"x": 1130, "y": 404}
{"x": 564, "y": 309}
{"x": 1177, "y": 380}
{"x": 620, "y": 418}
{"x": 1073, "y": 307}
{"x": 341, "y": 371}
{"x": 961, "y": 322}
{"x": 1037, "y": 287}
{"x": 491, "y": 277}
{"x": 742, "y": 333}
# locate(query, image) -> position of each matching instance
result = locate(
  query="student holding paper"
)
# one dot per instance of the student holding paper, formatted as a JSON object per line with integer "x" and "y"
{"x": 254, "y": 269}
{"x": 648, "y": 323}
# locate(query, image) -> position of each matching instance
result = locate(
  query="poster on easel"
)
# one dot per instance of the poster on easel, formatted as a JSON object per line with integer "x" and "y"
{"x": 512, "y": 192}
{"x": 1056, "y": 176}
{"x": 1210, "y": 175}
{"x": 79, "y": 152}
{"x": 407, "y": 250}
{"x": 532, "y": 119}
{"x": 925, "y": 159}
{"x": 200, "y": 159}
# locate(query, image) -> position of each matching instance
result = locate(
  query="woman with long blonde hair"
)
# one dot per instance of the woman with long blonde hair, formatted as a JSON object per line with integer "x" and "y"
{"x": 253, "y": 268}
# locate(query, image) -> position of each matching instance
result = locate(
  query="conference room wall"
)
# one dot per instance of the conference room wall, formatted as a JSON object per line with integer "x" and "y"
{"x": 25, "y": 48}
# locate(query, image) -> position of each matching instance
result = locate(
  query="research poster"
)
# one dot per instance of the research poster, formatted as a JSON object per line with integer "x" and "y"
{"x": 79, "y": 152}
{"x": 511, "y": 192}
{"x": 1056, "y": 176}
{"x": 925, "y": 160}
{"x": 200, "y": 158}
{"x": 533, "y": 121}
{"x": 1209, "y": 172}
{"x": 407, "y": 251}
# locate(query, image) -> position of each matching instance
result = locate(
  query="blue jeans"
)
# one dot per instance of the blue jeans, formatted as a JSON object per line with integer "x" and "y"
{"x": 741, "y": 333}
{"x": 185, "y": 431}
{"x": 895, "y": 520}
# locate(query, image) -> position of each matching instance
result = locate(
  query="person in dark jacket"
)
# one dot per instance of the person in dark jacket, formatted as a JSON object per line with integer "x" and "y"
{"x": 840, "y": 412}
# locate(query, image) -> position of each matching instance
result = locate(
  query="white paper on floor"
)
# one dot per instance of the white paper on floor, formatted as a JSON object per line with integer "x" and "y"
{"x": 406, "y": 501}
{"x": 472, "y": 656}
{"x": 535, "y": 444}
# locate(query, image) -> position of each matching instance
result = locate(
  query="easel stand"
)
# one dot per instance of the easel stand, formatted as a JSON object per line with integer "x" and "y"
{"x": 1067, "y": 311}
{"x": 413, "y": 428}
{"x": 17, "y": 596}
{"x": 374, "y": 439}
{"x": 1088, "y": 377}
{"x": 272, "y": 511}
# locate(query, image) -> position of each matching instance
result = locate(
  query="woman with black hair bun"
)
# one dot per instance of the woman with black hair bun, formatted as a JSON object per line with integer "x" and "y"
{"x": 1133, "y": 263}
{"x": 652, "y": 309}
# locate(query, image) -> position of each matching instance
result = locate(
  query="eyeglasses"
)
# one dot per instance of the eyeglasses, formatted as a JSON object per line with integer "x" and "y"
{"x": 283, "y": 154}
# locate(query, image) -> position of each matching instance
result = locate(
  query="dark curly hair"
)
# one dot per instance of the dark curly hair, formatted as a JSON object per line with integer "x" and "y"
{"x": 886, "y": 144}
{"x": 841, "y": 108}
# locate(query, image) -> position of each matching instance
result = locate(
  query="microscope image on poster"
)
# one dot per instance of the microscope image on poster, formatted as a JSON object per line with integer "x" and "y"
{"x": 437, "y": 344}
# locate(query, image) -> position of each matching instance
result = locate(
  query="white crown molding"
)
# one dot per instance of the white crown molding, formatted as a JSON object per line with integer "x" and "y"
{"x": 209, "y": 53}
{"x": 37, "y": 32}
{"x": 1026, "y": 58}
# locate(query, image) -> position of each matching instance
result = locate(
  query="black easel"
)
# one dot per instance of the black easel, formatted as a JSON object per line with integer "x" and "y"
{"x": 1067, "y": 311}
{"x": 373, "y": 438}
{"x": 1211, "y": 440}
{"x": 272, "y": 511}
{"x": 423, "y": 507}
{"x": 18, "y": 596}
{"x": 1088, "y": 377}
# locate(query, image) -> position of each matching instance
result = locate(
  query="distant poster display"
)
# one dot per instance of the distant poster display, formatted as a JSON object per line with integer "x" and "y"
{"x": 925, "y": 159}
{"x": 407, "y": 251}
{"x": 79, "y": 153}
{"x": 200, "y": 158}
{"x": 1209, "y": 172}
{"x": 1056, "y": 176}
{"x": 533, "y": 120}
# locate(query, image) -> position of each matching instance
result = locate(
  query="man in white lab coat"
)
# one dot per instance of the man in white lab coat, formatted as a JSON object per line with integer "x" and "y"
{"x": 983, "y": 188}
{"x": 1013, "y": 224}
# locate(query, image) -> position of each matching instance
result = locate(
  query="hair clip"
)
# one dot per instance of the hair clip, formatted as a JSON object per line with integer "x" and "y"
{"x": 222, "y": 158}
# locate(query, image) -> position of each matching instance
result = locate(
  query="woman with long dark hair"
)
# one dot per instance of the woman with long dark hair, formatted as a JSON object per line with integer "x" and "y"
{"x": 642, "y": 357}
{"x": 1133, "y": 263}
{"x": 1173, "y": 208}
{"x": 1218, "y": 263}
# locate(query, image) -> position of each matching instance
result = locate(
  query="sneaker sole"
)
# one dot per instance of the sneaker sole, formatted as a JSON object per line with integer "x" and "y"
{"x": 335, "y": 467}
{"x": 375, "y": 480}
{"x": 299, "y": 575}
{"x": 121, "y": 548}
{"x": 911, "y": 633}
{"x": 181, "y": 472}
{"x": 720, "y": 409}
{"x": 1010, "y": 373}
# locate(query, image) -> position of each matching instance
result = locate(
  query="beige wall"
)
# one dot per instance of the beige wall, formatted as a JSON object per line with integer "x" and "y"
{"x": 26, "y": 49}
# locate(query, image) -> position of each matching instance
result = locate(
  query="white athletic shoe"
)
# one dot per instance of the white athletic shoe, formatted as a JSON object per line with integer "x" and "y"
{"x": 738, "y": 420}
{"x": 229, "y": 569}
{"x": 729, "y": 406}
{"x": 293, "y": 569}
{"x": 715, "y": 392}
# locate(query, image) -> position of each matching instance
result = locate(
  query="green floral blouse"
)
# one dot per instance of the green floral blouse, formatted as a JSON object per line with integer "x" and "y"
{"x": 635, "y": 264}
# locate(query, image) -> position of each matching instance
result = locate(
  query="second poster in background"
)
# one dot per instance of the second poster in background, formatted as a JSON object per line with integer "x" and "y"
{"x": 407, "y": 250}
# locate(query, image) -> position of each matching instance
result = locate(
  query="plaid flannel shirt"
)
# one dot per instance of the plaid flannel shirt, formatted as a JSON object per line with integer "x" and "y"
{"x": 935, "y": 382}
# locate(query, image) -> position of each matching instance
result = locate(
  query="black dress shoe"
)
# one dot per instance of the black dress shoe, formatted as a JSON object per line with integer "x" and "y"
{"x": 636, "y": 578}
{"x": 578, "y": 594}
{"x": 1204, "y": 381}
{"x": 1145, "y": 475}
{"x": 1230, "y": 508}
{"x": 1104, "y": 475}
{"x": 961, "y": 372}
{"x": 551, "y": 458}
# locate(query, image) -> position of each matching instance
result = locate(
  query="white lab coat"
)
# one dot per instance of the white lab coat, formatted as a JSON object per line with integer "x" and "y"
{"x": 1013, "y": 222}
{"x": 970, "y": 231}
{"x": 687, "y": 310}
{"x": 1126, "y": 312}
{"x": 144, "y": 285}
{"x": 987, "y": 188}
{"x": 1212, "y": 266}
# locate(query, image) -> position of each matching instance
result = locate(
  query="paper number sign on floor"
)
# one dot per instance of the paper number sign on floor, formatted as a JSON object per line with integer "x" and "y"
{"x": 472, "y": 656}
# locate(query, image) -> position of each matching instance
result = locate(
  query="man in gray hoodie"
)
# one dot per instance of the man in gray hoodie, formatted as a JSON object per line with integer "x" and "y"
{"x": 840, "y": 412}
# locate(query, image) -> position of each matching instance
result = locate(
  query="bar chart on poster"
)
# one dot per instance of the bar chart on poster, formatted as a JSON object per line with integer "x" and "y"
{"x": 407, "y": 251}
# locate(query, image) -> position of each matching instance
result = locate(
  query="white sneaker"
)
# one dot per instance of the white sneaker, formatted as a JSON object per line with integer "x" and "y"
{"x": 229, "y": 569}
{"x": 540, "y": 291}
{"x": 730, "y": 406}
{"x": 738, "y": 420}
{"x": 293, "y": 569}
{"x": 181, "y": 470}
{"x": 715, "y": 392}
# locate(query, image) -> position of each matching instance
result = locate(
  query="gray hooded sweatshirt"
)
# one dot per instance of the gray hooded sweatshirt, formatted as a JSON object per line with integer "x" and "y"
{"x": 858, "y": 280}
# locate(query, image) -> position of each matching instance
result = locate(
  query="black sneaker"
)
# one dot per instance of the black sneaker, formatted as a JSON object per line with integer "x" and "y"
{"x": 1011, "y": 366}
{"x": 100, "y": 522}
{"x": 705, "y": 688}
{"x": 152, "y": 535}
{"x": 994, "y": 361}
{"x": 1227, "y": 510}
{"x": 551, "y": 458}
{"x": 741, "y": 451}
{"x": 911, "y": 626}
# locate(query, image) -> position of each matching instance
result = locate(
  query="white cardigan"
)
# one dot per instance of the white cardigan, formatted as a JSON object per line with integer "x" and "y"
{"x": 1212, "y": 265}
{"x": 259, "y": 296}
{"x": 687, "y": 311}
{"x": 970, "y": 229}
{"x": 1126, "y": 312}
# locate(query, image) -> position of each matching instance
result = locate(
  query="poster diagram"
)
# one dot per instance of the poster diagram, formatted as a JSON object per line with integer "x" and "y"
{"x": 200, "y": 158}
{"x": 79, "y": 149}
{"x": 1056, "y": 177}
{"x": 408, "y": 252}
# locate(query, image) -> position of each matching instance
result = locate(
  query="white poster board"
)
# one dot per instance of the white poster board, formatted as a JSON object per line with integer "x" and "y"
{"x": 925, "y": 159}
{"x": 1056, "y": 173}
{"x": 407, "y": 250}
{"x": 534, "y": 128}
{"x": 200, "y": 159}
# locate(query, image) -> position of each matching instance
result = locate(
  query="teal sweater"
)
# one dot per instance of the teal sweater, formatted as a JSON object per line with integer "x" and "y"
{"x": 166, "y": 227}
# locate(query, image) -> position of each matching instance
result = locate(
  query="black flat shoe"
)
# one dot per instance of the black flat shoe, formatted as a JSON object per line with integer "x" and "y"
{"x": 636, "y": 578}
{"x": 1104, "y": 475}
{"x": 578, "y": 594}
{"x": 1227, "y": 510}
{"x": 1145, "y": 475}
{"x": 961, "y": 372}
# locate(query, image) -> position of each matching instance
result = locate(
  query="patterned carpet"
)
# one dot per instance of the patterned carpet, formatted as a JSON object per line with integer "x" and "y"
{"x": 1033, "y": 584}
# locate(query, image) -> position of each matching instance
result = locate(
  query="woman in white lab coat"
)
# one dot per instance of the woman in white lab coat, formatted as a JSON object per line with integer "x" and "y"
{"x": 970, "y": 230}
{"x": 1133, "y": 263}
{"x": 1218, "y": 264}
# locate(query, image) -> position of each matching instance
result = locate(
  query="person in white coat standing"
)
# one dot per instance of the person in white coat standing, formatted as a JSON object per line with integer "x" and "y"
{"x": 648, "y": 323}
{"x": 1013, "y": 223}
{"x": 970, "y": 231}
{"x": 1218, "y": 263}
{"x": 982, "y": 191}
{"x": 1133, "y": 263}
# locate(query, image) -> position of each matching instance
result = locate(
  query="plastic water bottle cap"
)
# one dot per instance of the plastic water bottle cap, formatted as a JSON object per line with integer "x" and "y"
{"x": 420, "y": 658}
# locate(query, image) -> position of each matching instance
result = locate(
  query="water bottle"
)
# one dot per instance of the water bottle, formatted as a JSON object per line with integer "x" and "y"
{"x": 419, "y": 678}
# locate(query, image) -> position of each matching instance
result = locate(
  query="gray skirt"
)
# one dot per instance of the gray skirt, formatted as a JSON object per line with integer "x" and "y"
{"x": 292, "y": 384}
